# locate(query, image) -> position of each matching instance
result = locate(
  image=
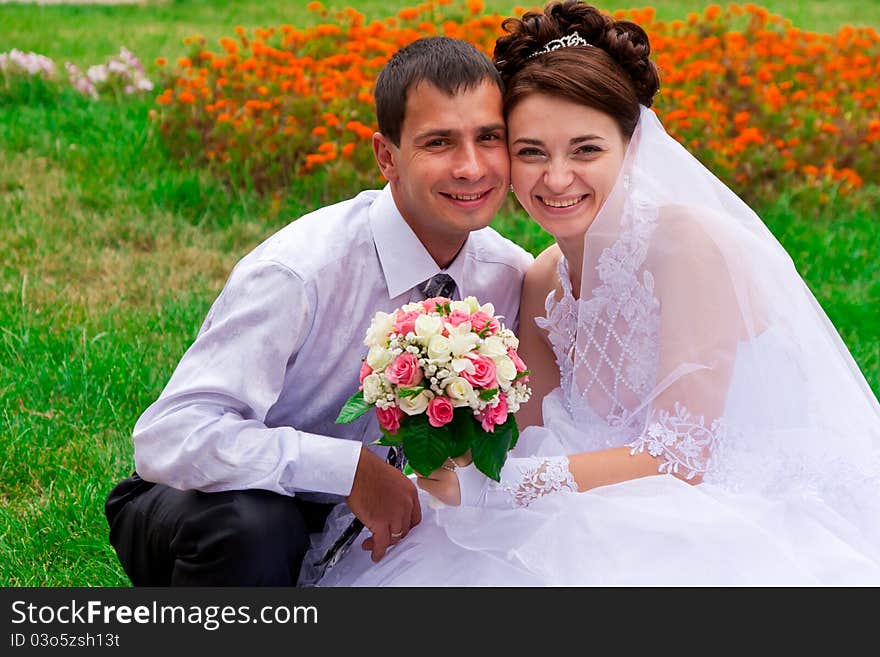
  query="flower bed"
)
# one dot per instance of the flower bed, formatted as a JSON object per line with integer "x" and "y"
{"x": 763, "y": 104}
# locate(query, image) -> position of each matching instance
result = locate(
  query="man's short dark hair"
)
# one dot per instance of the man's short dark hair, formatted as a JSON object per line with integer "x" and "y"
{"x": 449, "y": 64}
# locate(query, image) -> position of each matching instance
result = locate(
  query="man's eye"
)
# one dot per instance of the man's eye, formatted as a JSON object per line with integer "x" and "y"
{"x": 434, "y": 143}
{"x": 491, "y": 137}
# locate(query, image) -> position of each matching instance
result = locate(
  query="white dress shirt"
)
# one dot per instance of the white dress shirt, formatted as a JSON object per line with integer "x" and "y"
{"x": 253, "y": 401}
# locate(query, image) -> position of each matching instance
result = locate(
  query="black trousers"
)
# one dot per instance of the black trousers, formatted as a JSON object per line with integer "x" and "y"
{"x": 168, "y": 537}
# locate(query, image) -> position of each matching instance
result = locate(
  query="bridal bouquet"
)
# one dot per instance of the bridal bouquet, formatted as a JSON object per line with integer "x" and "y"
{"x": 444, "y": 377}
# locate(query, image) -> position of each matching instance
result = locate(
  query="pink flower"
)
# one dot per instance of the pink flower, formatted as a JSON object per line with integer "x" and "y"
{"x": 480, "y": 321}
{"x": 518, "y": 363}
{"x": 366, "y": 370}
{"x": 389, "y": 418}
{"x": 430, "y": 305}
{"x": 483, "y": 375}
{"x": 492, "y": 416}
{"x": 404, "y": 370}
{"x": 405, "y": 322}
{"x": 457, "y": 317}
{"x": 440, "y": 411}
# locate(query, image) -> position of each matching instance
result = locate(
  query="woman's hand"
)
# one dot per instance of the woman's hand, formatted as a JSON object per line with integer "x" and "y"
{"x": 443, "y": 483}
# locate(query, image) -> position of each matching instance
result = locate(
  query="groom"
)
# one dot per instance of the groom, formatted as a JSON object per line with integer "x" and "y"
{"x": 240, "y": 459}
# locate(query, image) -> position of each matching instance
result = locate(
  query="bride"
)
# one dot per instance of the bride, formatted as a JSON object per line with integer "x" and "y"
{"x": 697, "y": 419}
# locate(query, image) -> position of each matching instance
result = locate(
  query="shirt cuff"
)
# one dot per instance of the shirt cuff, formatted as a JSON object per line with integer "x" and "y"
{"x": 325, "y": 465}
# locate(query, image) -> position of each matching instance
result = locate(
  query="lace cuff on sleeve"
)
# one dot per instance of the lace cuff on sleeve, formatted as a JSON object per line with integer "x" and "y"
{"x": 523, "y": 480}
{"x": 682, "y": 440}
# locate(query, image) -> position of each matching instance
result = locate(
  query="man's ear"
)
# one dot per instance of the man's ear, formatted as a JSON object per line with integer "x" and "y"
{"x": 385, "y": 153}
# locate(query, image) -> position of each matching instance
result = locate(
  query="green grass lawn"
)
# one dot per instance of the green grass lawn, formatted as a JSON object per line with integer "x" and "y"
{"x": 111, "y": 254}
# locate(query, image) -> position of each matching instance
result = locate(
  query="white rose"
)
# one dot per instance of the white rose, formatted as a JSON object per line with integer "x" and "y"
{"x": 505, "y": 370}
{"x": 380, "y": 328}
{"x": 493, "y": 347}
{"x": 472, "y": 304}
{"x": 459, "y": 391}
{"x": 460, "y": 305}
{"x": 488, "y": 308}
{"x": 378, "y": 357}
{"x": 428, "y": 325}
{"x": 439, "y": 348}
{"x": 415, "y": 405}
{"x": 373, "y": 389}
{"x": 461, "y": 340}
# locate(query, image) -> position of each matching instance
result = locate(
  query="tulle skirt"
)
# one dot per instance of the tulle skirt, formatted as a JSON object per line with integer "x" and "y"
{"x": 653, "y": 531}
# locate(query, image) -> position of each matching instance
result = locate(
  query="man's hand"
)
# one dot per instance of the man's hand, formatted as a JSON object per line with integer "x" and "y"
{"x": 385, "y": 500}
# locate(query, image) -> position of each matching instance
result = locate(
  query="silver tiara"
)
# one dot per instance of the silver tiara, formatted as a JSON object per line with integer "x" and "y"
{"x": 569, "y": 40}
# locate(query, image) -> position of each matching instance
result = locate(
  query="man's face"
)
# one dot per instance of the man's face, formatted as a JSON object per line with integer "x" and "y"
{"x": 450, "y": 174}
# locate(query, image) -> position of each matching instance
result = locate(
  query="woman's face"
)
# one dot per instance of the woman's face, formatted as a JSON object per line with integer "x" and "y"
{"x": 564, "y": 160}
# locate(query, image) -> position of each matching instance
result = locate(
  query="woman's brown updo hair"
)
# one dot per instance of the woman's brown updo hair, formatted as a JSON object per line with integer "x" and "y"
{"x": 613, "y": 75}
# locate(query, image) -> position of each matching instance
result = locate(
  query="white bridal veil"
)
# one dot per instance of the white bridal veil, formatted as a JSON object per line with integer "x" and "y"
{"x": 696, "y": 333}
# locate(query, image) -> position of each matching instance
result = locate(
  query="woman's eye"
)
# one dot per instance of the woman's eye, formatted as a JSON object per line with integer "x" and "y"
{"x": 588, "y": 149}
{"x": 529, "y": 152}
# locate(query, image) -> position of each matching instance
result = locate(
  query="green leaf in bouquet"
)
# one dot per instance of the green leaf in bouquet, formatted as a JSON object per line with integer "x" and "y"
{"x": 488, "y": 394}
{"x": 511, "y": 429}
{"x": 464, "y": 430}
{"x": 353, "y": 409}
{"x": 388, "y": 439}
{"x": 490, "y": 451}
{"x": 520, "y": 375}
{"x": 426, "y": 447}
{"x": 409, "y": 392}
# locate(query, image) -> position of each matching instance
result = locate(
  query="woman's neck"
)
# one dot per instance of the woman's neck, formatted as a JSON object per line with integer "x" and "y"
{"x": 573, "y": 250}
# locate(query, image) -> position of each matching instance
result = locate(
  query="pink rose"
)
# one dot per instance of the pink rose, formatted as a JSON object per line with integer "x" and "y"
{"x": 440, "y": 411}
{"x": 518, "y": 363}
{"x": 404, "y": 370}
{"x": 405, "y": 322}
{"x": 483, "y": 375}
{"x": 389, "y": 418}
{"x": 480, "y": 321}
{"x": 457, "y": 317}
{"x": 366, "y": 370}
{"x": 492, "y": 416}
{"x": 430, "y": 305}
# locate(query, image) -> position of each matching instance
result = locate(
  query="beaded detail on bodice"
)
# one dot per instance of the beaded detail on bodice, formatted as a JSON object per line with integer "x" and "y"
{"x": 606, "y": 344}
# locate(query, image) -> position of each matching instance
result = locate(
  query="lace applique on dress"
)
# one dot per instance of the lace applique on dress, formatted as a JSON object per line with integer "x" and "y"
{"x": 560, "y": 323}
{"x": 606, "y": 346}
{"x": 684, "y": 442}
{"x": 528, "y": 479}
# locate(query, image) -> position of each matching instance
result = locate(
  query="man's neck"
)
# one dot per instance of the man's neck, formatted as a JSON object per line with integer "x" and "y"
{"x": 445, "y": 253}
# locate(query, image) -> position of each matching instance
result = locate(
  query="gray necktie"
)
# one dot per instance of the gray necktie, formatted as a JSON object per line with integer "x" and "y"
{"x": 439, "y": 285}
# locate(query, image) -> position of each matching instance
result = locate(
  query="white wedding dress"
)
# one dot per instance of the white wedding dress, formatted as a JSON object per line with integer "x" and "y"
{"x": 694, "y": 338}
{"x": 656, "y": 530}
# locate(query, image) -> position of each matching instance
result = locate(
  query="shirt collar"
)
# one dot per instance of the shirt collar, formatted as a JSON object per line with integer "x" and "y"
{"x": 405, "y": 261}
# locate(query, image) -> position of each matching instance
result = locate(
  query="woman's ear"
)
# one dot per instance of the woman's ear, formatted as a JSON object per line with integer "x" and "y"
{"x": 385, "y": 153}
